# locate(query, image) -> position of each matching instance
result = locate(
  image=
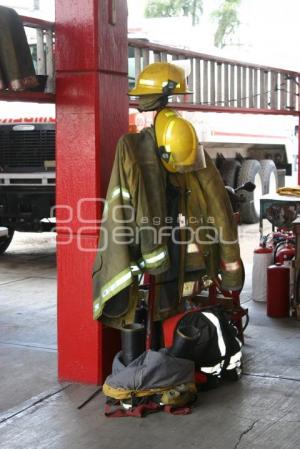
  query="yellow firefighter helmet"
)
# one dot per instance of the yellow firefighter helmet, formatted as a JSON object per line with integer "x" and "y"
{"x": 177, "y": 142}
{"x": 160, "y": 78}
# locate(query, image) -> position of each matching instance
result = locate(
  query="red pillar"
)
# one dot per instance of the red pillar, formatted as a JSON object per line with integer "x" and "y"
{"x": 92, "y": 113}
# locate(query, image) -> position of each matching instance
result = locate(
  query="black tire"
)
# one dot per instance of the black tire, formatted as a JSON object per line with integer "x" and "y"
{"x": 229, "y": 171}
{"x": 6, "y": 240}
{"x": 268, "y": 169}
{"x": 249, "y": 209}
{"x": 219, "y": 161}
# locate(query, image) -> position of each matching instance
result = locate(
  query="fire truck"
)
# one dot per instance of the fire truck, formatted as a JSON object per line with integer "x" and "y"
{"x": 247, "y": 152}
{"x": 27, "y": 175}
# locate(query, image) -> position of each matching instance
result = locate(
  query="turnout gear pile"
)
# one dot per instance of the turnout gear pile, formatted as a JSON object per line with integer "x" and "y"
{"x": 143, "y": 203}
{"x": 210, "y": 340}
{"x": 204, "y": 349}
{"x": 154, "y": 381}
{"x": 167, "y": 213}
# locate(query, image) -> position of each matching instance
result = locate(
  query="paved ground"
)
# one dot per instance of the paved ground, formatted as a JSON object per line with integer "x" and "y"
{"x": 36, "y": 412}
{"x": 27, "y": 319}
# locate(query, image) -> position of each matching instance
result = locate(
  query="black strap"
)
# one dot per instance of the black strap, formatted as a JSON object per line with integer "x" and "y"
{"x": 168, "y": 89}
{"x": 163, "y": 154}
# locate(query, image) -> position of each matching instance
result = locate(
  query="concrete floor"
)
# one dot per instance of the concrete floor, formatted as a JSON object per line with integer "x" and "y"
{"x": 36, "y": 412}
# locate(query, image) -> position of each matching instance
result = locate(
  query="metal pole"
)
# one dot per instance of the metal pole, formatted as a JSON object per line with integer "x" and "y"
{"x": 299, "y": 150}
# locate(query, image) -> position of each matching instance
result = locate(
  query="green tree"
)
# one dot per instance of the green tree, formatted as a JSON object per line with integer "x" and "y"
{"x": 228, "y": 21}
{"x": 173, "y": 8}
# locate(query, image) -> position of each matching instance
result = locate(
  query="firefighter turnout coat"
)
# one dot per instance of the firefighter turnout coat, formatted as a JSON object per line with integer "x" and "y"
{"x": 178, "y": 227}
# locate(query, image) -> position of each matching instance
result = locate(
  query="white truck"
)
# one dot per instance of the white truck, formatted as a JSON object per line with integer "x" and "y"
{"x": 256, "y": 148}
{"x": 27, "y": 172}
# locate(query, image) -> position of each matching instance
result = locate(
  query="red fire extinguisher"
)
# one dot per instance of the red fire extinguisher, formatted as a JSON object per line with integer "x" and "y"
{"x": 285, "y": 252}
{"x": 278, "y": 298}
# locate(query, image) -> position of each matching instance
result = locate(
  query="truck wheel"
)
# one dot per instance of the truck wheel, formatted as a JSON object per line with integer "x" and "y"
{"x": 269, "y": 176}
{"x": 250, "y": 207}
{"x": 5, "y": 241}
{"x": 229, "y": 171}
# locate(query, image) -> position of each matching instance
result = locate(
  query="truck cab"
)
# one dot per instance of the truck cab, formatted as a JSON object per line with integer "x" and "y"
{"x": 27, "y": 176}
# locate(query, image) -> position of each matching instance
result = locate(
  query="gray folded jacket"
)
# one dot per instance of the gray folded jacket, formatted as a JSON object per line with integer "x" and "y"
{"x": 151, "y": 370}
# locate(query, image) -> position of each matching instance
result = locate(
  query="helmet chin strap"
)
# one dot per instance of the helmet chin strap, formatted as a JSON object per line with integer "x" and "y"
{"x": 168, "y": 89}
{"x": 163, "y": 154}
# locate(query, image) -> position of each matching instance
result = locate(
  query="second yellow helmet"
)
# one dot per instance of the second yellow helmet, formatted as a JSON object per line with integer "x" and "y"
{"x": 177, "y": 141}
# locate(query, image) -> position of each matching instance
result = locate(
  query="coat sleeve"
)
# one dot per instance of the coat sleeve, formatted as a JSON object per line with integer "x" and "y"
{"x": 127, "y": 243}
{"x": 145, "y": 178}
{"x": 112, "y": 268}
{"x": 220, "y": 215}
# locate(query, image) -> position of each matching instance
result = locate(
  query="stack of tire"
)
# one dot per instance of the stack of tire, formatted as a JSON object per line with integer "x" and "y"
{"x": 263, "y": 174}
